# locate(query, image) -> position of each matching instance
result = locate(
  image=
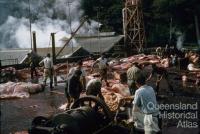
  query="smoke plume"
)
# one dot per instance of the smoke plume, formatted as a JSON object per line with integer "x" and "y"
{"x": 180, "y": 40}
{"x": 47, "y": 16}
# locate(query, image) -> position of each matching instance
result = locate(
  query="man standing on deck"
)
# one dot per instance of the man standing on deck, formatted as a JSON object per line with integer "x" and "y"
{"x": 103, "y": 67}
{"x": 73, "y": 87}
{"x": 83, "y": 74}
{"x": 0, "y": 67}
{"x": 32, "y": 63}
{"x": 132, "y": 73}
{"x": 48, "y": 69}
{"x": 145, "y": 111}
{"x": 161, "y": 73}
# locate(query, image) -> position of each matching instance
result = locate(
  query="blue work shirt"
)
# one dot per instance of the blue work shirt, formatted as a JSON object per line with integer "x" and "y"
{"x": 145, "y": 100}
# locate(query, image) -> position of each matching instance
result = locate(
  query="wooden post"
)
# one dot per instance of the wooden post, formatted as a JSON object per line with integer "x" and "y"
{"x": 54, "y": 57}
{"x": 133, "y": 26}
{"x": 53, "y": 47}
{"x": 34, "y": 42}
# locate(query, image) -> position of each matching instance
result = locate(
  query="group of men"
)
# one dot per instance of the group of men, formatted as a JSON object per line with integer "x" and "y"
{"x": 136, "y": 70}
{"x": 144, "y": 105}
{"x": 144, "y": 111}
{"x": 145, "y": 114}
{"x": 76, "y": 82}
{"x": 48, "y": 67}
{"x": 145, "y": 117}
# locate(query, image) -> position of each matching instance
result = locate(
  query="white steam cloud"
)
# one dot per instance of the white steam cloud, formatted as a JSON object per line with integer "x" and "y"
{"x": 54, "y": 18}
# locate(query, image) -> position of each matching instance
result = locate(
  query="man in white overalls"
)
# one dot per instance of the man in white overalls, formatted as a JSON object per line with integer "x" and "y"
{"x": 145, "y": 112}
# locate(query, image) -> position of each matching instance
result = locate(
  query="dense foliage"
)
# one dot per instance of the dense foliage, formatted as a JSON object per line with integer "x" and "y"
{"x": 108, "y": 12}
{"x": 158, "y": 15}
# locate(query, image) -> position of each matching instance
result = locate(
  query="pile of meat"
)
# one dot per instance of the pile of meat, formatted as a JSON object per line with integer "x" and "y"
{"x": 125, "y": 63}
{"x": 117, "y": 92}
{"x": 114, "y": 93}
{"x": 18, "y": 90}
{"x": 7, "y": 74}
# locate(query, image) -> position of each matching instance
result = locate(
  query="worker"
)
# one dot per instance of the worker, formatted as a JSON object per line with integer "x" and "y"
{"x": 167, "y": 50}
{"x": 94, "y": 88}
{"x": 159, "y": 51}
{"x": 103, "y": 67}
{"x": 145, "y": 111}
{"x": 73, "y": 87}
{"x": 174, "y": 58}
{"x": 1, "y": 79}
{"x": 0, "y": 67}
{"x": 32, "y": 63}
{"x": 83, "y": 74}
{"x": 48, "y": 70}
{"x": 132, "y": 72}
{"x": 183, "y": 61}
{"x": 161, "y": 73}
{"x": 166, "y": 61}
{"x": 191, "y": 67}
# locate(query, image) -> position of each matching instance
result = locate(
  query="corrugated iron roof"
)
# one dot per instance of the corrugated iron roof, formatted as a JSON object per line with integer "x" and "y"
{"x": 98, "y": 44}
{"x": 12, "y": 56}
{"x": 66, "y": 51}
{"x": 92, "y": 44}
{"x": 15, "y": 56}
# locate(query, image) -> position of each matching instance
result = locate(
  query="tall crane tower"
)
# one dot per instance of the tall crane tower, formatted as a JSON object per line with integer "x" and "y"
{"x": 133, "y": 26}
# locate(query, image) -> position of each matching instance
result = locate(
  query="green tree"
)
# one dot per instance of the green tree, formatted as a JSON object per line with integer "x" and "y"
{"x": 107, "y": 12}
{"x": 157, "y": 17}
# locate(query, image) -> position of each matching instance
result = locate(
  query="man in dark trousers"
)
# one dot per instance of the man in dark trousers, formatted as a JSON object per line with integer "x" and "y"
{"x": 73, "y": 87}
{"x": 0, "y": 71}
{"x": 79, "y": 66}
{"x": 48, "y": 70}
{"x": 33, "y": 64}
{"x": 132, "y": 73}
{"x": 0, "y": 67}
{"x": 161, "y": 73}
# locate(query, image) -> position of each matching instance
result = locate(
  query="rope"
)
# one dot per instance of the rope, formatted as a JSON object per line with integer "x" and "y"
{"x": 48, "y": 50}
